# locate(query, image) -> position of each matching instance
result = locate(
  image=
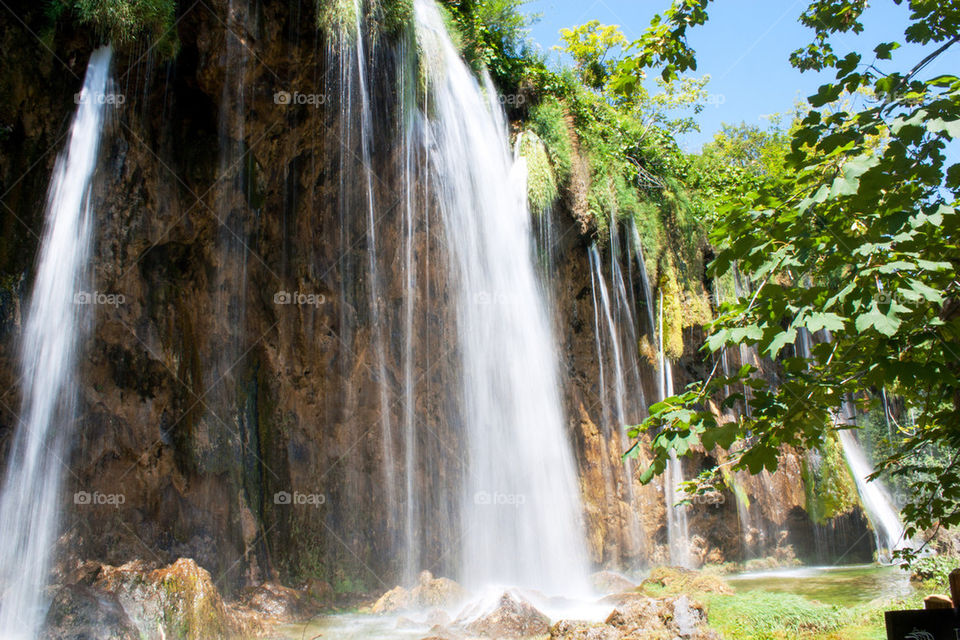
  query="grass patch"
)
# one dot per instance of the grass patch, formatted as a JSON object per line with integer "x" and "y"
{"x": 766, "y": 615}
{"x": 762, "y": 615}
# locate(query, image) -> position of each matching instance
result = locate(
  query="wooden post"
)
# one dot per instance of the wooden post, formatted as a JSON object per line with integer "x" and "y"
{"x": 955, "y": 587}
{"x": 937, "y": 601}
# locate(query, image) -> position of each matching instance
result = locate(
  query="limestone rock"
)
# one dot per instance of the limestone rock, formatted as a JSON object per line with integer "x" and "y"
{"x": 677, "y": 580}
{"x": 275, "y": 601}
{"x": 513, "y": 617}
{"x": 79, "y": 612}
{"x": 436, "y": 592}
{"x": 397, "y": 599}
{"x": 607, "y": 582}
{"x": 430, "y": 593}
{"x": 180, "y": 599}
{"x": 671, "y": 617}
{"x": 578, "y": 630}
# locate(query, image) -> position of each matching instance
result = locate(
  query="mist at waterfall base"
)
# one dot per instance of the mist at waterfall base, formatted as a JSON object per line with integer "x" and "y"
{"x": 54, "y": 326}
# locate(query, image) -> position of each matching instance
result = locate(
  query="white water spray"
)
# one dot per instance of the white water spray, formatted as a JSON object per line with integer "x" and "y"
{"x": 40, "y": 451}
{"x": 521, "y": 513}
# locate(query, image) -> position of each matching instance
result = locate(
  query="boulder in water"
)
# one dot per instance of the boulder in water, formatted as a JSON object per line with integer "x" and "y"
{"x": 436, "y": 592}
{"x": 275, "y": 601}
{"x": 513, "y": 617}
{"x": 607, "y": 582}
{"x": 430, "y": 593}
{"x": 179, "y": 599}
{"x": 397, "y": 599}
{"x": 80, "y": 612}
{"x": 677, "y": 580}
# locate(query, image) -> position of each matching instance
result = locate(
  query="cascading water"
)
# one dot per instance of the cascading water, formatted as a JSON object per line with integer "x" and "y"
{"x": 521, "y": 509}
{"x": 619, "y": 384}
{"x": 887, "y": 527}
{"x": 678, "y": 530}
{"x": 616, "y": 414}
{"x": 31, "y": 491}
{"x": 373, "y": 274}
{"x": 411, "y": 160}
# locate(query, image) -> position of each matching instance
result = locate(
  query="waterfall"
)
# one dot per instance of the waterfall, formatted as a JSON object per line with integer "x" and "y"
{"x": 887, "y": 527}
{"x": 31, "y": 490}
{"x": 678, "y": 530}
{"x": 373, "y": 274}
{"x": 618, "y": 416}
{"x": 615, "y": 415}
{"x": 888, "y": 530}
{"x": 521, "y": 513}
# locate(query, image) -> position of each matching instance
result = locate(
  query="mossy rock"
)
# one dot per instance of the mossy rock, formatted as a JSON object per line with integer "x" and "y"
{"x": 541, "y": 182}
{"x": 126, "y": 22}
{"x": 79, "y": 612}
{"x": 830, "y": 488}
{"x": 677, "y": 580}
{"x": 180, "y": 598}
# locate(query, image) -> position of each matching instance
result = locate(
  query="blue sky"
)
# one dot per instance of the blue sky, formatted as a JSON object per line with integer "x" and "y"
{"x": 745, "y": 47}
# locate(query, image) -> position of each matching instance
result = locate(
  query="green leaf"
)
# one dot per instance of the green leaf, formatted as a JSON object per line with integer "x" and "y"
{"x": 926, "y": 292}
{"x": 722, "y": 436}
{"x": 824, "y": 320}
{"x": 877, "y": 320}
{"x": 883, "y": 50}
{"x": 781, "y": 340}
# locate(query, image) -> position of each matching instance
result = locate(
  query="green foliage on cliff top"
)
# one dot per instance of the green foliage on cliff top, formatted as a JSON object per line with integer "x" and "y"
{"x": 124, "y": 21}
{"x": 548, "y": 119}
{"x": 493, "y": 35}
{"x": 337, "y": 19}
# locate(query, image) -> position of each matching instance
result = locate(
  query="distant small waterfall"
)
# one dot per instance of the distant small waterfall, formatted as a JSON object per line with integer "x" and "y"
{"x": 521, "y": 513}
{"x": 888, "y": 529}
{"x": 30, "y": 499}
{"x": 887, "y": 526}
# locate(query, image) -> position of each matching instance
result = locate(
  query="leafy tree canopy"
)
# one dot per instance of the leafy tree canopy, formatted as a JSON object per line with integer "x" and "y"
{"x": 855, "y": 244}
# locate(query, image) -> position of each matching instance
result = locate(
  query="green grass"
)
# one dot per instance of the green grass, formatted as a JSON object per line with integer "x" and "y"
{"x": 762, "y": 615}
{"x": 765, "y": 615}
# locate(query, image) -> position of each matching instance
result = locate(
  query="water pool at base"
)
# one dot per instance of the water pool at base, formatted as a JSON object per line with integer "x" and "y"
{"x": 837, "y": 585}
{"x": 841, "y": 585}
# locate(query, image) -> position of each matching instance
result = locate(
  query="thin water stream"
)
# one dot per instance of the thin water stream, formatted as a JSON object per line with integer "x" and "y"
{"x": 30, "y": 499}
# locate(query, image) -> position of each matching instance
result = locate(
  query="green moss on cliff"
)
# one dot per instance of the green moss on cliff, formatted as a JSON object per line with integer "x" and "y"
{"x": 549, "y": 120}
{"x": 541, "y": 183}
{"x": 830, "y": 489}
{"x": 337, "y": 18}
{"x": 123, "y": 22}
{"x": 672, "y": 310}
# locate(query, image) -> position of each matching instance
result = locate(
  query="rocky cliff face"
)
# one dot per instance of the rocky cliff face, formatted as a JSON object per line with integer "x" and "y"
{"x": 234, "y": 394}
